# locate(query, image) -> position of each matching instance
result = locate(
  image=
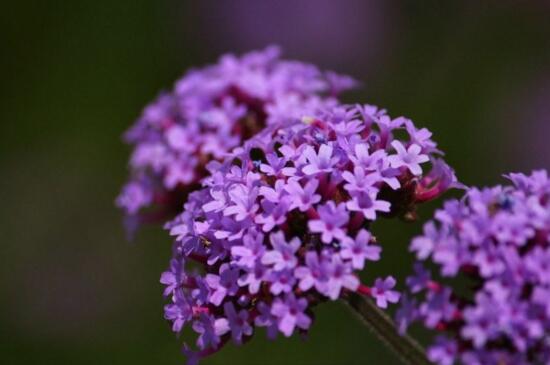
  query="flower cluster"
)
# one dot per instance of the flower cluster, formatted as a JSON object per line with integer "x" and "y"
{"x": 283, "y": 223}
{"x": 495, "y": 246}
{"x": 209, "y": 112}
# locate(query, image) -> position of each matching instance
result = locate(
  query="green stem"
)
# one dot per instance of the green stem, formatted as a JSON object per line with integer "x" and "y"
{"x": 405, "y": 347}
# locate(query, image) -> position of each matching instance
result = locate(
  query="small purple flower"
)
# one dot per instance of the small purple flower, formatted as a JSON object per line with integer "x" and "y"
{"x": 250, "y": 251}
{"x": 266, "y": 319}
{"x": 362, "y": 157}
{"x": 332, "y": 219}
{"x": 275, "y": 194}
{"x": 174, "y": 277}
{"x": 276, "y": 165}
{"x": 210, "y": 330}
{"x": 302, "y": 197}
{"x": 290, "y": 314}
{"x": 488, "y": 261}
{"x": 511, "y": 228}
{"x": 538, "y": 262}
{"x": 424, "y": 245}
{"x": 222, "y": 285}
{"x": 314, "y": 274}
{"x": 541, "y": 296}
{"x": 382, "y": 293}
{"x": 411, "y": 158}
{"x": 254, "y": 277}
{"x": 243, "y": 199}
{"x": 134, "y": 196}
{"x": 238, "y": 322}
{"x": 443, "y": 351}
{"x": 323, "y": 161}
{"x": 179, "y": 173}
{"x": 406, "y": 314}
{"x": 274, "y": 214}
{"x": 192, "y": 357}
{"x": 420, "y": 280}
{"x": 179, "y": 312}
{"x": 368, "y": 205}
{"x": 359, "y": 250}
{"x": 283, "y": 255}
{"x": 281, "y": 281}
{"x": 340, "y": 275}
{"x": 481, "y": 321}
{"x": 359, "y": 180}
{"x": 438, "y": 307}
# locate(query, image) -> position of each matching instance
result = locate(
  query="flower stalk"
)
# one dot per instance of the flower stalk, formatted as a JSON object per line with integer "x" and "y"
{"x": 405, "y": 347}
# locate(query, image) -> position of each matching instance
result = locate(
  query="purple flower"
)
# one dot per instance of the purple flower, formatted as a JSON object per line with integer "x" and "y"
{"x": 424, "y": 245}
{"x": 283, "y": 222}
{"x": 411, "y": 158}
{"x": 443, "y": 351}
{"x": 362, "y": 157}
{"x": 250, "y": 251}
{"x": 134, "y": 196}
{"x": 332, "y": 219}
{"x": 266, "y": 319}
{"x": 173, "y": 278}
{"x": 314, "y": 274}
{"x": 179, "y": 312}
{"x": 359, "y": 250}
{"x": 273, "y": 216}
{"x": 210, "y": 330}
{"x": 541, "y": 296}
{"x": 222, "y": 285}
{"x": 494, "y": 242}
{"x": 281, "y": 281}
{"x": 276, "y": 165}
{"x": 420, "y": 280}
{"x": 302, "y": 197}
{"x": 179, "y": 173}
{"x": 340, "y": 276}
{"x": 283, "y": 255}
{"x": 243, "y": 199}
{"x": 381, "y": 291}
{"x": 254, "y": 277}
{"x": 359, "y": 180}
{"x": 437, "y": 308}
{"x": 488, "y": 261}
{"x": 481, "y": 321}
{"x": 290, "y": 314}
{"x": 368, "y": 205}
{"x": 406, "y": 314}
{"x": 238, "y": 322}
{"x": 211, "y": 111}
{"x": 537, "y": 262}
{"x": 323, "y": 161}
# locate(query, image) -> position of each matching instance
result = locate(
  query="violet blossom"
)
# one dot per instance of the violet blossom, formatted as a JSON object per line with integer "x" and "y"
{"x": 209, "y": 112}
{"x": 283, "y": 223}
{"x": 497, "y": 241}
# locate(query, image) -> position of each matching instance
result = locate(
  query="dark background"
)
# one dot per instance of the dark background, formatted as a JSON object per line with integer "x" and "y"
{"x": 75, "y": 74}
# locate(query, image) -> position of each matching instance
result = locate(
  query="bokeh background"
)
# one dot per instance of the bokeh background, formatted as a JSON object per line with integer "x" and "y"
{"x": 76, "y": 73}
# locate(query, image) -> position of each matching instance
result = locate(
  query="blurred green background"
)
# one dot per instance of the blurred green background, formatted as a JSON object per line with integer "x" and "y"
{"x": 75, "y": 74}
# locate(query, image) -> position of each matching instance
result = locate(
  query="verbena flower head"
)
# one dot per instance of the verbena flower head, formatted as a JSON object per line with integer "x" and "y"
{"x": 208, "y": 113}
{"x": 497, "y": 241}
{"x": 283, "y": 223}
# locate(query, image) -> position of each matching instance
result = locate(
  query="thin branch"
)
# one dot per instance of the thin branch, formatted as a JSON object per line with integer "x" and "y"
{"x": 405, "y": 347}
